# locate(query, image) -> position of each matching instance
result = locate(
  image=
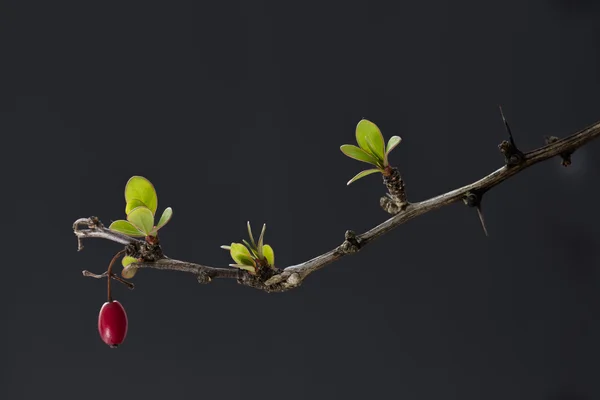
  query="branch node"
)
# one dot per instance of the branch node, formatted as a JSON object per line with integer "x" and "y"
{"x": 293, "y": 281}
{"x": 203, "y": 278}
{"x": 566, "y": 156}
{"x": 512, "y": 155}
{"x": 351, "y": 244}
{"x": 275, "y": 279}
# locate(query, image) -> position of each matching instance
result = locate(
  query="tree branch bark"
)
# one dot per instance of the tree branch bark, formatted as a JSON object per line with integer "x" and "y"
{"x": 284, "y": 279}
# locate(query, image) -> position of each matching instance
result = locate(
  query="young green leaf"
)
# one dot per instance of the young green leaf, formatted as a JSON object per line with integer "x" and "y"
{"x": 261, "y": 239}
{"x": 128, "y": 260}
{"x": 249, "y": 246}
{"x": 140, "y": 188}
{"x": 126, "y": 228}
{"x": 165, "y": 217}
{"x": 269, "y": 254}
{"x": 363, "y": 174}
{"x": 241, "y": 254}
{"x": 358, "y": 154}
{"x": 142, "y": 218}
{"x": 128, "y": 273}
{"x": 133, "y": 204}
{"x": 250, "y": 235}
{"x": 367, "y": 129}
{"x": 248, "y": 268}
{"x": 392, "y": 143}
{"x": 380, "y": 161}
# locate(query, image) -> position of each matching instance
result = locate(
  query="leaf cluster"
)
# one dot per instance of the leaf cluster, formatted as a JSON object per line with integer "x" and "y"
{"x": 249, "y": 255}
{"x": 371, "y": 148}
{"x": 141, "y": 204}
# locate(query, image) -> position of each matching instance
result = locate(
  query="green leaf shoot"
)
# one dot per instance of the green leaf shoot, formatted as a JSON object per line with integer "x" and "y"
{"x": 259, "y": 245}
{"x": 142, "y": 218}
{"x": 126, "y": 228}
{"x": 269, "y": 254}
{"x": 367, "y": 131}
{"x": 359, "y": 154}
{"x": 363, "y": 174}
{"x": 241, "y": 255}
{"x": 133, "y": 204}
{"x": 392, "y": 143}
{"x": 128, "y": 272}
{"x": 140, "y": 188}
{"x": 165, "y": 217}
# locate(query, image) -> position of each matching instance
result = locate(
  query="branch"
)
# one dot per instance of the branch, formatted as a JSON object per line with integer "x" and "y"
{"x": 284, "y": 279}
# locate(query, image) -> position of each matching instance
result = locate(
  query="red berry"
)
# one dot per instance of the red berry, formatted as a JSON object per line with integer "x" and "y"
{"x": 112, "y": 323}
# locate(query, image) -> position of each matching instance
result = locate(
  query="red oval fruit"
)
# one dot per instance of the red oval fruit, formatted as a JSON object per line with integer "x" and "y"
{"x": 112, "y": 323}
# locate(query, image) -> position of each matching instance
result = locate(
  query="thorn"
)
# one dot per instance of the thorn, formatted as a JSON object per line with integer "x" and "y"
{"x": 512, "y": 155}
{"x": 473, "y": 200}
{"x": 510, "y": 136}
{"x": 480, "y": 214}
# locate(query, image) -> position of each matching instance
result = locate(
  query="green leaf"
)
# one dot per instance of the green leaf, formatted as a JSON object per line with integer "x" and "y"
{"x": 392, "y": 143}
{"x": 248, "y": 268}
{"x": 128, "y": 260}
{"x": 269, "y": 254}
{"x": 165, "y": 217}
{"x": 373, "y": 150}
{"x": 358, "y": 154}
{"x": 363, "y": 174}
{"x": 126, "y": 228}
{"x": 261, "y": 239}
{"x": 128, "y": 273}
{"x": 249, "y": 246}
{"x": 140, "y": 188}
{"x": 250, "y": 235}
{"x": 133, "y": 204}
{"x": 241, "y": 254}
{"x": 366, "y": 130}
{"x": 142, "y": 218}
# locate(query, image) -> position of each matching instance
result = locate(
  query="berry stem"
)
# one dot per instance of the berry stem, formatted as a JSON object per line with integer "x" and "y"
{"x": 109, "y": 272}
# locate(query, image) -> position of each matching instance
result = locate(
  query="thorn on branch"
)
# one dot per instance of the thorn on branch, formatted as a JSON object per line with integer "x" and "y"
{"x": 351, "y": 244}
{"x": 566, "y": 156}
{"x": 512, "y": 155}
{"x": 473, "y": 199}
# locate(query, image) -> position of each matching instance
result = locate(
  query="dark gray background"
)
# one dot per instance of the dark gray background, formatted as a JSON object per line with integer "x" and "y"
{"x": 236, "y": 111}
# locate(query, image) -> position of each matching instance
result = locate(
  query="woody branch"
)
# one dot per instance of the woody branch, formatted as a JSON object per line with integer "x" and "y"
{"x": 279, "y": 280}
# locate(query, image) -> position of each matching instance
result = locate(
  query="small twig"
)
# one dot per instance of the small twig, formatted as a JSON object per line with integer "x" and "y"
{"x": 294, "y": 275}
{"x": 104, "y": 274}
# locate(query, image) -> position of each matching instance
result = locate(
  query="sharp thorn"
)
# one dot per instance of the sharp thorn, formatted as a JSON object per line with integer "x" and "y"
{"x": 480, "y": 214}
{"x": 510, "y": 136}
